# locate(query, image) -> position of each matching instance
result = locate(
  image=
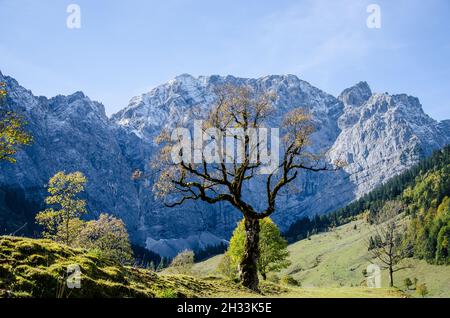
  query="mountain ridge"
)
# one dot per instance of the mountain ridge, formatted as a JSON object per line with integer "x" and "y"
{"x": 380, "y": 137}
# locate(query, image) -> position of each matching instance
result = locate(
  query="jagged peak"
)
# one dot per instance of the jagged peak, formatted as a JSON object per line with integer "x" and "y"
{"x": 356, "y": 95}
{"x": 182, "y": 79}
{"x": 69, "y": 98}
{"x": 184, "y": 76}
{"x": 280, "y": 77}
{"x": 78, "y": 100}
{"x": 11, "y": 81}
{"x": 224, "y": 78}
{"x": 78, "y": 95}
{"x": 198, "y": 85}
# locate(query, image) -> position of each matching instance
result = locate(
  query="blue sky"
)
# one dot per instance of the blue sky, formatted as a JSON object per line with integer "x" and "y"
{"x": 124, "y": 48}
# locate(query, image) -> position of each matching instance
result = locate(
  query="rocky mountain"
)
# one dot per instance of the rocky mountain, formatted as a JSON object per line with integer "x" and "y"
{"x": 382, "y": 135}
{"x": 71, "y": 133}
{"x": 379, "y": 135}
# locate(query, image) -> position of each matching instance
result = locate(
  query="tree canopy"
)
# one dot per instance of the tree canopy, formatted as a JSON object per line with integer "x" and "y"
{"x": 61, "y": 220}
{"x": 109, "y": 236}
{"x": 273, "y": 247}
{"x": 12, "y": 132}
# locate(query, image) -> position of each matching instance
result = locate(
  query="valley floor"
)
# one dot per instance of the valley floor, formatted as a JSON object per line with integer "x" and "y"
{"x": 334, "y": 262}
{"x": 322, "y": 292}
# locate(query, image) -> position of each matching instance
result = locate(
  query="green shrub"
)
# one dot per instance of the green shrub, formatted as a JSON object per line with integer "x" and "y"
{"x": 408, "y": 283}
{"x": 274, "y": 278}
{"x": 108, "y": 236}
{"x": 227, "y": 268}
{"x": 182, "y": 263}
{"x": 167, "y": 293}
{"x": 289, "y": 280}
{"x": 422, "y": 290}
{"x": 415, "y": 282}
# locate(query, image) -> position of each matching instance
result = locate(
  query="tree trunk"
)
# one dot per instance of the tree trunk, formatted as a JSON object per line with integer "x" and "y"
{"x": 67, "y": 231}
{"x": 249, "y": 269}
{"x": 391, "y": 277}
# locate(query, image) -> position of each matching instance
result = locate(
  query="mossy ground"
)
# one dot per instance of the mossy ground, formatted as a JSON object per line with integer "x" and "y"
{"x": 38, "y": 268}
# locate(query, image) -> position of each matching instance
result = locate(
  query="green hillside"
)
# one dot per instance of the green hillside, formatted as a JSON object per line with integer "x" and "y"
{"x": 337, "y": 259}
{"x": 37, "y": 268}
{"x": 437, "y": 163}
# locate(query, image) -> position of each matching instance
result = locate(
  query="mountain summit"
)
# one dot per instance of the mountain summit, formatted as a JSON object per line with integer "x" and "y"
{"x": 356, "y": 95}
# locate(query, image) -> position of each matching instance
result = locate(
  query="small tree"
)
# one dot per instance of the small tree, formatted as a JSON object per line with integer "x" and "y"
{"x": 57, "y": 221}
{"x": 272, "y": 247}
{"x": 74, "y": 227}
{"x": 161, "y": 265}
{"x": 227, "y": 268}
{"x": 182, "y": 263}
{"x": 388, "y": 248}
{"x": 109, "y": 236}
{"x": 422, "y": 290}
{"x": 3, "y": 92}
{"x": 443, "y": 245}
{"x": 408, "y": 283}
{"x": 12, "y": 134}
{"x": 289, "y": 280}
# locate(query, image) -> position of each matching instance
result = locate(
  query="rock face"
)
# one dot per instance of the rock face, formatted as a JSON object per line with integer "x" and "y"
{"x": 379, "y": 135}
{"x": 72, "y": 133}
{"x": 382, "y": 135}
